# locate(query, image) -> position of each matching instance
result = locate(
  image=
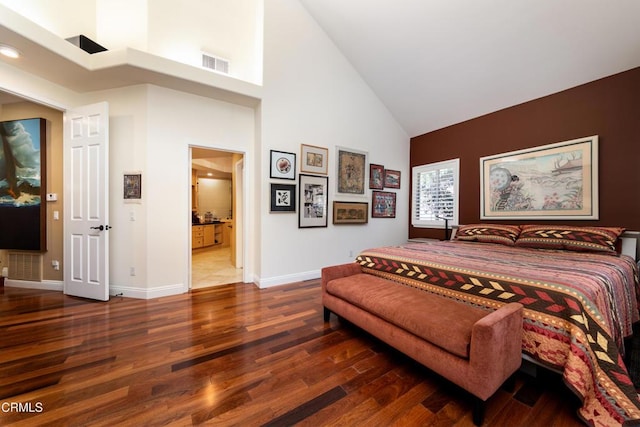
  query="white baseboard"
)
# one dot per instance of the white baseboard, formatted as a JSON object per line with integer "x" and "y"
{"x": 49, "y": 285}
{"x": 286, "y": 279}
{"x": 125, "y": 291}
{"x": 163, "y": 291}
{"x": 147, "y": 293}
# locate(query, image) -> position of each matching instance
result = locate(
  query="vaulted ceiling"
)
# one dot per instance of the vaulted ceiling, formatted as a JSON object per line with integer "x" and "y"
{"x": 435, "y": 63}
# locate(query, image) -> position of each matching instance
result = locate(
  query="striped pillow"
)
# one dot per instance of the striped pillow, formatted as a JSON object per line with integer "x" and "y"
{"x": 489, "y": 233}
{"x": 596, "y": 239}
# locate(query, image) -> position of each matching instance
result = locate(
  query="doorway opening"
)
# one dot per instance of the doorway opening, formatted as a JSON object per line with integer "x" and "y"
{"x": 216, "y": 217}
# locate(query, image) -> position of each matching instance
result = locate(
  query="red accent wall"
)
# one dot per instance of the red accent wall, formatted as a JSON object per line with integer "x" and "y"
{"x": 609, "y": 108}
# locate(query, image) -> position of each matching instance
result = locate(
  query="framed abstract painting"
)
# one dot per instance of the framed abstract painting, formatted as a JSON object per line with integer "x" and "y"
{"x": 23, "y": 184}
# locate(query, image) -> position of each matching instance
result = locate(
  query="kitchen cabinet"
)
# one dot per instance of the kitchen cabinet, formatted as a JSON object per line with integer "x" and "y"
{"x": 197, "y": 236}
{"x": 209, "y": 235}
{"x": 205, "y": 235}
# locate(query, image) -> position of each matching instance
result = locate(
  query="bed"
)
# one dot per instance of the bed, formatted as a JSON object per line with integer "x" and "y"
{"x": 580, "y": 298}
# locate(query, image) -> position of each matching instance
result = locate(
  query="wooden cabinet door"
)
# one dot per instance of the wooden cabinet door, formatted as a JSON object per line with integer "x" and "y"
{"x": 209, "y": 235}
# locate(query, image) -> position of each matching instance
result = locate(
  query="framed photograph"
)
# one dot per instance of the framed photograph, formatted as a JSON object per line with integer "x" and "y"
{"x": 314, "y": 159}
{"x": 383, "y": 204}
{"x": 132, "y": 186}
{"x": 283, "y": 197}
{"x": 555, "y": 181}
{"x": 351, "y": 171}
{"x": 391, "y": 178}
{"x": 283, "y": 165}
{"x": 314, "y": 194}
{"x": 23, "y": 184}
{"x": 350, "y": 212}
{"x": 376, "y": 177}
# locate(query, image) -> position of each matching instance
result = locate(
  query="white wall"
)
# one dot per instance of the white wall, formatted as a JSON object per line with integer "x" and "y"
{"x": 231, "y": 29}
{"x": 121, "y": 24}
{"x": 152, "y": 130}
{"x": 66, "y": 18}
{"x": 312, "y": 95}
{"x": 128, "y": 130}
{"x": 225, "y": 28}
{"x": 214, "y": 195}
{"x": 177, "y": 121}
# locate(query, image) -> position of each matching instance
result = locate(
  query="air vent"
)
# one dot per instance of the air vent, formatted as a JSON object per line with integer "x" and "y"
{"x": 214, "y": 63}
{"x": 86, "y": 44}
{"x": 25, "y": 266}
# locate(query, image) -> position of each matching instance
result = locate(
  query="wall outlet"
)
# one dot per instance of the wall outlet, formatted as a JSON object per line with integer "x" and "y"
{"x": 132, "y": 271}
{"x": 55, "y": 264}
{"x": 350, "y": 253}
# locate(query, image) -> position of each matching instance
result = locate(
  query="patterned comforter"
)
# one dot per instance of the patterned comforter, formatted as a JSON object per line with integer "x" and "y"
{"x": 578, "y": 308}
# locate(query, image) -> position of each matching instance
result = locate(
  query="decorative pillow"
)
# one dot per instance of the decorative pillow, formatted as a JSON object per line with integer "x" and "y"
{"x": 489, "y": 233}
{"x": 597, "y": 239}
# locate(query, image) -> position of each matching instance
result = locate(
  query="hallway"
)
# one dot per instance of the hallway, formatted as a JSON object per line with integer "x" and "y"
{"x": 212, "y": 267}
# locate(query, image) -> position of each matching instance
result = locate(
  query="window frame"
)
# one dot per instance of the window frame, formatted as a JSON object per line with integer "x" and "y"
{"x": 453, "y": 164}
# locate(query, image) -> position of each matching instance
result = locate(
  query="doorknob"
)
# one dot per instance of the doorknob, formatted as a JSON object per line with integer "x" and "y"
{"x": 101, "y": 227}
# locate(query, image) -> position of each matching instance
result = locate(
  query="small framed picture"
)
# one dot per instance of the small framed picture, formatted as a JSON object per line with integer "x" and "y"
{"x": 350, "y": 212}
{"x": 283, "y": 165}
{"x": 132, "y": 191}
{"x": 283, "y": 197}
{"x": 376, "y": 176}
{"x": 383, "y": 204}
{"x": 314, "y": 194}
{"x": 314, "y": 159}
{"x": 391, "y": 178}
{"x": 351, "y": 171}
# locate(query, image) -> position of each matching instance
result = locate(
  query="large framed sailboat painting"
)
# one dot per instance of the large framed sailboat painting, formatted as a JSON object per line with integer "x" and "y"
{"x": 23, "y": 184}
{"x": 555, "y": 181}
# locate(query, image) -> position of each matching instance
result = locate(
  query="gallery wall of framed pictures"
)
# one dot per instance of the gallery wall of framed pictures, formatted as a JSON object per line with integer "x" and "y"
{"x": 310, "y": 200}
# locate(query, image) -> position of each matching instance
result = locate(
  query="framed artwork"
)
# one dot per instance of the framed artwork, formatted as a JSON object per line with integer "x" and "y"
{"x": 283, "y": 165}
{"x": 283, "y": 198}
{"x": 350, "y": 212}
{"x": 383, "y": 204}
{"x": 376, "y": 176}
{"x": 314, "y": 196}
{"x": 314, "y": 159}
{"x": 132, "y": 190}
{"x": 391, "y": 178}
{"x": 555, "y": 181}
{"x": 351, "y": 174}
{"x": 23, "y": 216}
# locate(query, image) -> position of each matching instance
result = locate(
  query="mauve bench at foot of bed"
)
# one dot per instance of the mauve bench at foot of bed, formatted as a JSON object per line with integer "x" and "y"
{"x": 476, "y": 349}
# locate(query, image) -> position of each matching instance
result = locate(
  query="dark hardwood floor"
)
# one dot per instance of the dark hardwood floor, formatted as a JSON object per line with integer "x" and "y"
{"x": 228, "y": 355}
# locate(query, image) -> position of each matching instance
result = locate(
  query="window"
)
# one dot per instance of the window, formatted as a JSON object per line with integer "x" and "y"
{"x": 435, "y": 194}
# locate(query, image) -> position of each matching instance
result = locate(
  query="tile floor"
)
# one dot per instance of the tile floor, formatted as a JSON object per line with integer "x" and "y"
{"x": 212, "y": 266}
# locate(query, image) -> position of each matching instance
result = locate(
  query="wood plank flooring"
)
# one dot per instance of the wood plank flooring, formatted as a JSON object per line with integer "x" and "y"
{"x": 228, "y": 355}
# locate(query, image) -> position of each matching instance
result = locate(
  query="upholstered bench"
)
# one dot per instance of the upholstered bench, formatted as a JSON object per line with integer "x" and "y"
{"x": 476, "y": 349}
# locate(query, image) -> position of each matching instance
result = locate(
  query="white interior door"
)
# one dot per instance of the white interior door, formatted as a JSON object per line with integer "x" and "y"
{"x": 86, "y": 201}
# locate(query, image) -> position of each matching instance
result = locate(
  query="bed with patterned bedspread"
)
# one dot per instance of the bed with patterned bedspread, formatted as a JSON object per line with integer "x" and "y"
{"x": 578, "y": 307}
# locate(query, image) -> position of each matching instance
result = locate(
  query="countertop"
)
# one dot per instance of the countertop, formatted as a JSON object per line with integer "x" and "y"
{"x": 221, "y": 221}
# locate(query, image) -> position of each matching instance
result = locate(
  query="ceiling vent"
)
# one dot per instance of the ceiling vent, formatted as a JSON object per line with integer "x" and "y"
{"x": 86, "y": 44}
{"x": 215, "y": 63}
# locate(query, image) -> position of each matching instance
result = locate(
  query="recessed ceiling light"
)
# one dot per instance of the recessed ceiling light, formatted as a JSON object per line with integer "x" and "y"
{"x": 9, "y": 51}
{"x": 209, "y": 174}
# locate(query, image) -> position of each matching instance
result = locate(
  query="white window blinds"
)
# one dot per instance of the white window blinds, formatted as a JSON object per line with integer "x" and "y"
{"x": 435, "y": 194}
